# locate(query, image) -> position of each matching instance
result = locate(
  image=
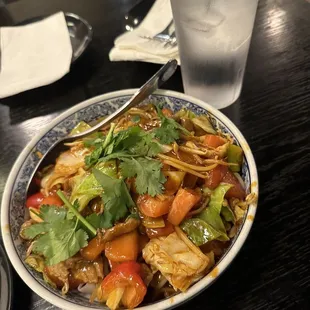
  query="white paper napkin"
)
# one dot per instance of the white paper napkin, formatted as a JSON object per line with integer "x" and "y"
{"x": 131, "y": 45}
{"x": 34, "y": 55}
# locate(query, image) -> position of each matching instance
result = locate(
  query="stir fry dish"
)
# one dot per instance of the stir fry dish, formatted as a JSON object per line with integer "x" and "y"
{"x": 138, "y": 211}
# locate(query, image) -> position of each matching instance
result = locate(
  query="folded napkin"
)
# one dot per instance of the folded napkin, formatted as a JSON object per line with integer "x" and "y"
{"x": 34, "y": 55}
{"x": 134, "y": 46}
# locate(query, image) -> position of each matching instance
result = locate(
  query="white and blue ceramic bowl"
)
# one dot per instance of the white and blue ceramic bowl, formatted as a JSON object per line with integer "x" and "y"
{"x": 14, "y": 197}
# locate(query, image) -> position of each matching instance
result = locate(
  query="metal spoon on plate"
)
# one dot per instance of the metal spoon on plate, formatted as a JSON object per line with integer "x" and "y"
{"x": 160, "y": 77}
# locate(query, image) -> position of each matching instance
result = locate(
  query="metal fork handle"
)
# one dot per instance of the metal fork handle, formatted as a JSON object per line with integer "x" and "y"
{"x": 166, "y": 30}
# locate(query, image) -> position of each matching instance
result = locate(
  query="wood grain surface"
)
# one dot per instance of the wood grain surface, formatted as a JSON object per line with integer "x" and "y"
{"x": 272, "y": 270}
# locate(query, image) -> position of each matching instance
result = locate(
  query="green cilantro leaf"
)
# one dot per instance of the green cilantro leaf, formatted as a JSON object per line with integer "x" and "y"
{"x": 146, "y": 146}
{"x": 125, "y": 139}
{"x": 132, "y": 142}
{"x": 100, "y": 146}
{"x": 169, "y": 130}
{"x": 49, "y": 215}
{"x": 118, "y": 155}
{"x": 91, "y": 159}
{"x": 36, "y": 229}
{"x": 116, "y": 198}
{"x": 57, "y": 237}
{"x": 149, "y": 177}
{"x": 97, "y": 220}
{"x": 94, "y": 139}
{"x": 61, "y": 242}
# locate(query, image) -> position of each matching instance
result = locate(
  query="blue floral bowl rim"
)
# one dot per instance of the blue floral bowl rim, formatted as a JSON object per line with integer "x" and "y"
{"x": 163, "y": 304}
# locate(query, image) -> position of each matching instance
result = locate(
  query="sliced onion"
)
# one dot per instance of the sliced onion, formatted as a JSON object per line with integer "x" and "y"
{"x": 115, "y": 297}
{"x": 86, "y": 288}
{"x": 34, "y": 215}
{"x": 238, "y": 176}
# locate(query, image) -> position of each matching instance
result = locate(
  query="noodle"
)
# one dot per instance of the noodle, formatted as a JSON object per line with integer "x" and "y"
{"x": 186, "y": 165}
{"x": 173, "y": 164}
{"x": 191, "y": 150}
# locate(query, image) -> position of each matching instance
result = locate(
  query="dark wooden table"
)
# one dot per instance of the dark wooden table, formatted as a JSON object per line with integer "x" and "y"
{"x": 272, "y": 270}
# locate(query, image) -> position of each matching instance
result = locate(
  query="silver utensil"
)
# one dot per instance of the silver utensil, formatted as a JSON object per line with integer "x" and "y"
{"x": 167, "y": 36}
{"x": 160, "y": 77}
{"x": 172, "y": 41}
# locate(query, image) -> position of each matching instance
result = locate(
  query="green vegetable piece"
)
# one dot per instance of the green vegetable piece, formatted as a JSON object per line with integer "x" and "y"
{"x": 36, "y": 262}
{"x": 235, "y": 156}
{"x": 203, "y": 122}
{"x": 86, "y": 187}
{"x": 200, "y": 232}
{"x": 80, "y": 127}
{"x": 116, "y": 198}
{"x": 185, "y": 113}
{"x": 217, "y": 198}
{"x": 228, "y": 214}
{"x": 149, "y": 177}
{"x": 211, "y": 214}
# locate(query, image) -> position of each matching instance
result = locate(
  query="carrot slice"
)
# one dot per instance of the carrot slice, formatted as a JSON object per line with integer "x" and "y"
{"x": 93, "y": 249}
{"x": 154, "y": 206}
{"x": 123, "y": 248}
{"x": 213, "y": 141}
{"x": 184, "y": 200}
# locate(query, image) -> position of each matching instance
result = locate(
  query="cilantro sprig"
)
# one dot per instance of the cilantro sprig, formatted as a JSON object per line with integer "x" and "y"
{"x": 57, "y": 238}
{"x": 100, "y": 146}
{"x": 149, "y": 178}
{"x": 116, "y": 199}
{"x": 74, "y": 210}
{"x": 169, "y": 130}
{"x": 60, "y": 242}
{"x": 136, "y": 149}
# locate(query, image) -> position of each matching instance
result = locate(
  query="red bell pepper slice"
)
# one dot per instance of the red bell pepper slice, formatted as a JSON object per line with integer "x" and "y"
{"x": 34, "y": 200}
{"x": 127, "y": 276}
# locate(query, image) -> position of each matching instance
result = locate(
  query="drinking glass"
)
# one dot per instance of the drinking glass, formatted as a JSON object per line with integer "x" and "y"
{"x": 213, "y": 39}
